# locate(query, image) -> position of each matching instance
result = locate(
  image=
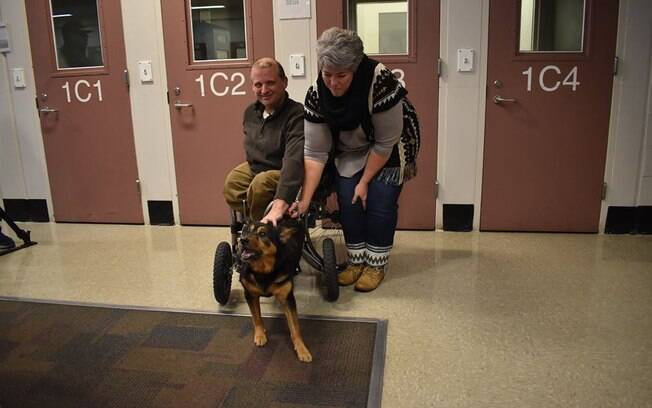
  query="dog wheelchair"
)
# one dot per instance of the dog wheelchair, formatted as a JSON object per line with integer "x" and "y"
{"x": 323, "y": 245}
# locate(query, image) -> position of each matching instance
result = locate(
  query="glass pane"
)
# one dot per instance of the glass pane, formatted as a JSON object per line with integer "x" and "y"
{"x": 382, "y": 25}
{"x": 76, "y": 33}
{"x": 218, "y": 29}
{"x": 552, "y": 25}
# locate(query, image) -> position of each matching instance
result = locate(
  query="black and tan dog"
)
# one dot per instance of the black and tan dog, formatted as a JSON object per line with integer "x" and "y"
{"x": 270, "y": 257}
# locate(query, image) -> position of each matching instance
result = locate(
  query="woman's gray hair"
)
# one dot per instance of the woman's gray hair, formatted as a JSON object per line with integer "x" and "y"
{"x": 339, "y": 48}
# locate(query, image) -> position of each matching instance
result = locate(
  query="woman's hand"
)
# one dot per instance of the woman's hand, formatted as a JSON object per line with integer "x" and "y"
{"x": 361, "y": 192}
{"x": 298, "y": 208}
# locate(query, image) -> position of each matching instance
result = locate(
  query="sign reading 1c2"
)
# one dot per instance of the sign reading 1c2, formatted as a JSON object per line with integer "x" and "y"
{"x": 550, "y": 81}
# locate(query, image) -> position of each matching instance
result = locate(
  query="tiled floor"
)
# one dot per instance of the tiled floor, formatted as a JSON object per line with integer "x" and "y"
{"x": 475, "y": 319}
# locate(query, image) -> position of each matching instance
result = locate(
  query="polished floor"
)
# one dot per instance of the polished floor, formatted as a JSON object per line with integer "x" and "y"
{"x": 475, "y": 319}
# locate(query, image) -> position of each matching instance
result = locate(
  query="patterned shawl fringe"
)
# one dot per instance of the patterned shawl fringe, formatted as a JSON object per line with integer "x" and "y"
{"x": 393, "y": 175}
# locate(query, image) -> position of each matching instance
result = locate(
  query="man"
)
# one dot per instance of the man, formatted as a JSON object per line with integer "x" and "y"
{"x": 273, "y": 128}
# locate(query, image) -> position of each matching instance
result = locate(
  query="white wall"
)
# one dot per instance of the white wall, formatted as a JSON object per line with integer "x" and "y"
{"x": 296, "y": 36}
{"x": 143, "y": 32}
{"x": 12, "y": 182}
{"x": 461, "y": 109}
{"x": 628, "y": 178}
{"x": 461, "y": 105}
{"x": 23, "y": 172}
{"x": 645, "y": 187}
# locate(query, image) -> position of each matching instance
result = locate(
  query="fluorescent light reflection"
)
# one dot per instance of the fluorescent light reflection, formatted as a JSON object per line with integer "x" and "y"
{"x": 206, "y": 7}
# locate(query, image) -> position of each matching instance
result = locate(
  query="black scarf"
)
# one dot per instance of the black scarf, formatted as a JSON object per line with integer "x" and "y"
{"x": 350, "y": 110}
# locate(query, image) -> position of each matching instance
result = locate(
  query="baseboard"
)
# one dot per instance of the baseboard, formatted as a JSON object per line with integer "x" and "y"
{"x": 629, "y": 220}
{"x": 24, "y": 210}
{"x": 458, "y": 217}
{"x": 160, "y": 212}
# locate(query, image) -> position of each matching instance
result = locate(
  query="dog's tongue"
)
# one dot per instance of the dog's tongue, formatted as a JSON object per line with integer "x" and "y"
{"x": 246, "y": 254}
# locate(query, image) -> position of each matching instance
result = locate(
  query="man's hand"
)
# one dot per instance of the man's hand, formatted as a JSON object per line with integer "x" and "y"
{"x": 275, "y": 213}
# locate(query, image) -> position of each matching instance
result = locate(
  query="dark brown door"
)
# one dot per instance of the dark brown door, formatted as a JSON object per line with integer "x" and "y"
{"x": 83, "y": 100}
{"x": 545, "y": 143}
{"x": 210, "y": 46}
{"x": 407, "y": 42}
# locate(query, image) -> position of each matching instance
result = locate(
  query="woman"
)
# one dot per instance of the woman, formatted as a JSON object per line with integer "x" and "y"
{"x": 357, "y": 113}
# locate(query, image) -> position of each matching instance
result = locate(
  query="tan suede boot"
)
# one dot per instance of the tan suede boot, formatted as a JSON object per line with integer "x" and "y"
{"x": 350, "y": 275}
{"x": 370, "y": 279}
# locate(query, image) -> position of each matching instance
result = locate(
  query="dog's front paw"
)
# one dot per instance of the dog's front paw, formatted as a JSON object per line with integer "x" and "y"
{"x": 260, "y": 338}
{"x": 303, "y": 353}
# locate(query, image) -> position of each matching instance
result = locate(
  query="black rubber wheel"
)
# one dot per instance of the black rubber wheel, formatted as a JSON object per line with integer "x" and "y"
{"x": 222, "y": 273}
{"x": 329, "y": 272}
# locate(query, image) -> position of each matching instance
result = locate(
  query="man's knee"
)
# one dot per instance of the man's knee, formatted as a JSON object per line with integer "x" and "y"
{"x": 236, "y": 183}
{"x": 265, "y": 182}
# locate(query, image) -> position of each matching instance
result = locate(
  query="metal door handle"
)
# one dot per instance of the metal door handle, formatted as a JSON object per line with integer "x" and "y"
{"x": 179, "y": 105}
{"x": 500, "y": 99}
{"x": 48, "y": 110}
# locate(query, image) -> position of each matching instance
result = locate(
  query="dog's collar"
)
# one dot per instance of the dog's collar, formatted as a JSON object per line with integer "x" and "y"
{"x": 249, "y": 274}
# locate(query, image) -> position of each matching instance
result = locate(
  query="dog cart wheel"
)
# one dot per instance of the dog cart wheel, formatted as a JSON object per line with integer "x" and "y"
{"x": 222, "y": 273}
{"x": 324, "y": 246}
{"x": 329, "y": 271}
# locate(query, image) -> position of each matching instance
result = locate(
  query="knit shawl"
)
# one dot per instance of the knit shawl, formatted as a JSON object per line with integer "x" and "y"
{"x": 385, "y": 91}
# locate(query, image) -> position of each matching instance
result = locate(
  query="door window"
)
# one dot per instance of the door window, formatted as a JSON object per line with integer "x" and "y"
{"x": 77, "y": 39}
{"x": 218, "y": 30}
{"x": 382, "y": 25}
{"x": 552, "y": 26}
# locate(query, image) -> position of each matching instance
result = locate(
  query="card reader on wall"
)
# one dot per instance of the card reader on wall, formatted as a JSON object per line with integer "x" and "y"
{"x": 145, "y": 71}
{"x": 297, "y": 65}
{"x": 464, "y": 60}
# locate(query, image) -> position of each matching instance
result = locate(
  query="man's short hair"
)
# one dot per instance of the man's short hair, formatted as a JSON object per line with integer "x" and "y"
{"x": 268, "y": 62}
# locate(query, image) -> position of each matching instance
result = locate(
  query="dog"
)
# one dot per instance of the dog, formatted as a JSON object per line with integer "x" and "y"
{"x": 270, "y": 259}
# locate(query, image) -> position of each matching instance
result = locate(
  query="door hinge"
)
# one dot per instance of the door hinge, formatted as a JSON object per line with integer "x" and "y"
{"x": 126, "y": 77}
{"x": 616, "y": 61}
{"x": 603, "y": 194}
{"x": 138, "y": 186}
{"x": 436, "y": 189}
{"x": 168, "y": 96}
{"x": 439, "y": 64}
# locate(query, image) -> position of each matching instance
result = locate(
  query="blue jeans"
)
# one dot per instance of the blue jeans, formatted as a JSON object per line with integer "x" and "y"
{"x": 369, "y": 234}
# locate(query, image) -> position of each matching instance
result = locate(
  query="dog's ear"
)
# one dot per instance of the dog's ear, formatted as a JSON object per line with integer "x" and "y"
{"x": 286, "y": 234}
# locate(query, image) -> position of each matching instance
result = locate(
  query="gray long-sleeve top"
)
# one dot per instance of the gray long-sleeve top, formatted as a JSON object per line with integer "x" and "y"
{"x": 353, "y": 146}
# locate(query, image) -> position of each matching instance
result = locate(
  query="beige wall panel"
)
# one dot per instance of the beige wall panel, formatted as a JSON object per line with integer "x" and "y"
{"x": 461, "y": 105}
{"x": 296, "y": 36}
{"x": 630, "y": 113}
{"x": 143, "y": 33}
{"x": 27, "y": 171}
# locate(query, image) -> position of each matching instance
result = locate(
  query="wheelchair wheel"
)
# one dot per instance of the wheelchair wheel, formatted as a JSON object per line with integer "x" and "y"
{"x": 325, "y": 244}
{"x": 222, "y": 273}
{"x": 329, "y": 272}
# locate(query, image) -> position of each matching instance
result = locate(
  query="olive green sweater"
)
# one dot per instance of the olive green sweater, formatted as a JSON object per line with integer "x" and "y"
{"x": 276, "y": 143}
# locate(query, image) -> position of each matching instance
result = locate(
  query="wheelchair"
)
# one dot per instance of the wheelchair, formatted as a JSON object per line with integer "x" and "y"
{"x": 323, "y": 246}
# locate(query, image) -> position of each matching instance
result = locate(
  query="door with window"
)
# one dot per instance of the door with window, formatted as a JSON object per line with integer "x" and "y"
{"x": 210, "y": 46}
{"x": 404, "y": 36}
{"x": 549, "y": 85}
{"x": 83, "y": 102}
